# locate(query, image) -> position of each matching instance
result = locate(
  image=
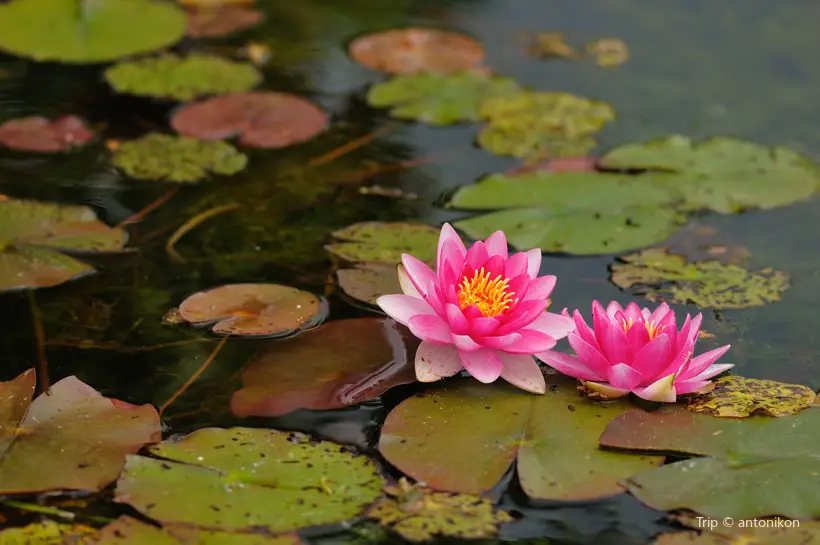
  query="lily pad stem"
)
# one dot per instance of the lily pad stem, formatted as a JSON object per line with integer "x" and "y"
{"x": 190, "y": 224}
{"x": 195, "y": 376}
{"x": 40, "y": 337}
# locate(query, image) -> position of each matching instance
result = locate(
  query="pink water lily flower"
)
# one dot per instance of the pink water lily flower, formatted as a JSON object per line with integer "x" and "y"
{"x": 481, "y": 310}
{"x": 639, "y": 351}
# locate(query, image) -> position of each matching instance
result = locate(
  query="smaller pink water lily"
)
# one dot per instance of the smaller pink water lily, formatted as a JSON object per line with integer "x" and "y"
{"x": 639, "y": 351}
{"x": 482, "y": 310}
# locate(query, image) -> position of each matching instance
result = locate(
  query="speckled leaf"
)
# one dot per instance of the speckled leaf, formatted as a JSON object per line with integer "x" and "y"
{"x": 439, "y": 99}
{"x": 723, "y": 174}
{"x": 130, "y": 531}
{"x": 379, "y": 242}
{"x": 47, "y": 532}
{"x": 90, "y": 457}
{"x": 740, "y": 397}
{"x": 262, "y": 310}
{"x": 340, "y": 363}
{"x": 249, "y": 479}
{"x": 366, "y": 282}
{"x": 707, "y": 284}
{"x": 462, "y": 437}
{"x": 92, "y": 31}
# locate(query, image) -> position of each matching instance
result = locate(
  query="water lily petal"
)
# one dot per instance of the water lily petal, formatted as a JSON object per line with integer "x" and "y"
{"x": 450, "y": 247}
{"x": 435, "y": 362}
{"x": 484, "y": 365}
{"x": 406, "y": 284}
{"x": 403, "y": 307}
{"x": 435, "y": 300}
{"x": 523, "y": 314}
{"x": 661, "y": 390}
{"x": 659, "y": 313}
{"x": 572, "y": 367}
{"x": 494, "y": 266}
{"x": 700, "y": 363}
{"x": 533, "y": 262}
{"x": 519, "y": 286}
{"x": 476, "y": 256}
{"x": 430, "y": 328}
{"x": 689, "y": 386}
{"x": 420, "y": 274}
{"x": 541, "y": 287}
{"x": 523, "y": 372}
{"x": 525, "y": 341}
{"x": 611, "y": 337}
{"x": 497, "y": 244}
{"x": 583, "y": 330}
{"x": 712, "y": 371}
{"x": 458, "y": 323}
{"x": 482, "y": 326}
{"x": 465, "y": 343}
{"x": 515, "y": 265}
{"x": 614, "y": 308}
{"x": 554, "y": 325}
{"x": 624, "y": 377}
{"x": 633, "y": 311}
{"x": 653, "y": 357}
{"x": 590, "y": 355}
{"x": 606, "y": 390}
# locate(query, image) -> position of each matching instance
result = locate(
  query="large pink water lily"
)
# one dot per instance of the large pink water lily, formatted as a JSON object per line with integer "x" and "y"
{"x": 637, "y": 350}
{"x": 482, "y": 311}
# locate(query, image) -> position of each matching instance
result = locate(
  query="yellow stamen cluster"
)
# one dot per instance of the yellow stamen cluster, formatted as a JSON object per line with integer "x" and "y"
{"x": 651, "y": 328}
{"x": 490, "y": 296}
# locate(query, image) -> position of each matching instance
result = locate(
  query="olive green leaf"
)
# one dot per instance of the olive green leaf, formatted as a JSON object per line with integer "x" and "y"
{"x": 384, "y": 242}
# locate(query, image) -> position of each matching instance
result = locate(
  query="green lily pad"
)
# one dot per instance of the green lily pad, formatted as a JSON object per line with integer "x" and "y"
{"x": 341, "y": 363}
{"x": 130, "y": 531}
{"x": 726, "y": 175}
{"x": 380, "y": 242}
{"x": 269, "y": 310}
{"x": 244, "y": 479}
{"x": 182, "y": 78}
{"x": 177, "y": 159}
{"x": 739, "y": 397}
{"x": 462, "y": 437}
{"x": 573, "y": 212}
{"x": 418, "y": 514}
{"x": 751, "y": 467}
{"x": 88, "y": 31}
{"x": 533, "y": 125}
{"x": 90, "y": 457}
{"x": 366, "y": 282}
{"x": 707, "y": 284}
{"x": 32, "y": 234}
{"x": 46, "y": 532}
{"x": 439, "y": 99}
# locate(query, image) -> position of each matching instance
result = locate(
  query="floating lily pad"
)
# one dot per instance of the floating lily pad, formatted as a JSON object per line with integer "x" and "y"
{"x": 341, "y": 363}
{"x": 562, "y": 164}
{"x": 177, "y": 159}
{"x": 182, "y": 78}
{"x": 244, "y": 479}
{"x": 417, "y": 514}
{"x": 740, "y": 397}
{"x": 572, "y": 212}
{"x": 414, "y": 50}
{"x": 550, "y": 45}
{"x": 366, "y": 282}
{"x": 751, "y": 467}
{"x": 439, "y": 99}
{"x": 90, "y": 31}
{"x": 712, "y": 531}
{"x": 46, "y": 532}
{"x": 31, "y": 232}
{"x": 462, "y": 437}
{"x": 726, "y": 175}
{"x": 90, "y": 456}
{"x": 707, "y": 284}
{"x": 221, "y": 20}
{"x": 535, "y": 125}
{"x": 269, "y": 310}
{"x": 129, "y": 531}
{"x": 384, "y": 242}
{"x": 608, "y": 51}
{"x": 39, "y": 134}
{"x": 258, "y": 119}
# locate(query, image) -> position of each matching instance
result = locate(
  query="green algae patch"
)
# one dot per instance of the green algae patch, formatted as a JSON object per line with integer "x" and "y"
{"x": 439, "y": 99}
{"x": 707, "y": 284}
{"x": 534, "y": 125}
{"x": 739, "y": 397}
{"x": 46, "y": 532}
{"x": 244, "y": 479}
{"x": 90, "y": 31}
{"x": 177, "y": 159}
{"x": 182, "y": 78}
{"x": 418, "y": 514}
{"x": 384, "y": 242}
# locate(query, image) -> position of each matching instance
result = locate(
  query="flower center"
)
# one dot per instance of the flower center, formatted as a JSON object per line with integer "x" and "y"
{"x": 490, "y": 296}
{"x": 651, "y": 328}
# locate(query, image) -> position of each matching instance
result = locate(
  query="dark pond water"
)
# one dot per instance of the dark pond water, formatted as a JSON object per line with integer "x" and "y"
{"x": 744, "y": 68}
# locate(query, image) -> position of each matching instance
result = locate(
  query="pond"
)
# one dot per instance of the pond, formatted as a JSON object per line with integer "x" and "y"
{"x": 745, "y": 72}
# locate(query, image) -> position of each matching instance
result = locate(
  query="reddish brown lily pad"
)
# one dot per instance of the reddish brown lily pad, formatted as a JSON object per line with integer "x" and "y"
{"x": 413, "y": 50}
{"x": 339, "y": 364}
{"x": 259, "y": 119}
{"x": 72, "y": 439}
{"x": 259, "y": 310}
{"x": 221, "y": 20}
{"x": 561, "y": 164}
{"x": 39, "y": 134}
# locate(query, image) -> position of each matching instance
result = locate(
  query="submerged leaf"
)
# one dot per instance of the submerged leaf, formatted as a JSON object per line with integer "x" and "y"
{"x": 439, "y": 99}
{"x": 39, "y": 134}
{"x": 707, "y": 284}
{"x": 130, "y": 531}
{"x": 413, "y": 50}
{"x": 258, "y": 119}
{"x": 182, "y": 78}
{"x": 88, "y": 31}
{"x": 740, "y": 397}
{"x": 341, "y": 363}
{"x": 90, "y": 456}
{"x": 269, "y": 310}
{"x": 177, "y": 159}
{"x": 244, "y": 479}
{"x": 385, "y": 242}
